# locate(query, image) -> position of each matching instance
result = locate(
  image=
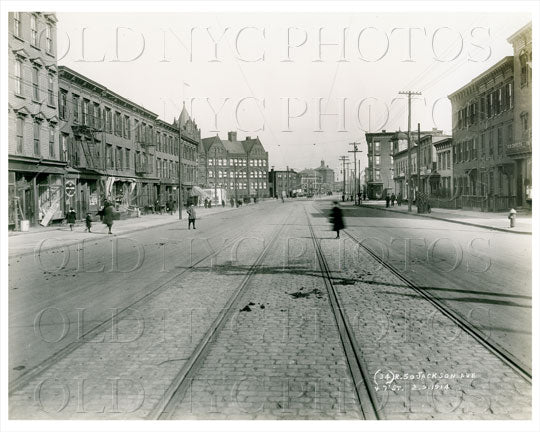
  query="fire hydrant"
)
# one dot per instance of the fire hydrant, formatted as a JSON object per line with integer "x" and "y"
{"x": 512, "y": 217}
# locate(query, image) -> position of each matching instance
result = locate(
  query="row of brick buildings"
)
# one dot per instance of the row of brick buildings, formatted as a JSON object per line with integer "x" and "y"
{"x": 76, "y": 143}
{"x": 290, "y": 182}
{"x": 487, "y": 161}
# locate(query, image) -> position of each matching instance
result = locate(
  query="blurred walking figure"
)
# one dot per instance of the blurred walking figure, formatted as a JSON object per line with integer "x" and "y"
{"x": 336, "y": 218}
{"x": 392, "y": 199}
{"x": 387, "y": 199}
{"x": 88, "y": 221}
{"x": 399, "y": 199}
{"x": 71, "y": 217}
{"x": 108, "y": 213}
{"x": 222, "y": 203}
{"x": 192, "y": 215}
{"x": 206, "y": 203}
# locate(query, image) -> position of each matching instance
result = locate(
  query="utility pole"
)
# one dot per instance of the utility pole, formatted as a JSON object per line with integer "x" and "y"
{"x": 418, "y": 209}
{"x": 180, "y": 197}
{"x": 354, "y": 144}
{"x": 409, "y": 94}
{"x": 343, "y": 159}
{"x": 215, "y": 174}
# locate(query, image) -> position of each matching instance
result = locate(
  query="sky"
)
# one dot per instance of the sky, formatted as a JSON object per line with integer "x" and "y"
{"x": 307, "y": 84}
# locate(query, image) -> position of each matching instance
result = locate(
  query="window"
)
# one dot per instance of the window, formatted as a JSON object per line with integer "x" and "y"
{"x": 33, "y": 30}
{"x": 48, "y": 36}
{"x": 62, "y": 102}
{"x": 109, "y": 156}
{"x": 108, "y": 120}
{"x": 75, "y": 108}
{"x": 490, "y": 142}
{"x": 63, "y": 147}
{"x": 128, "y": 157}
{"x": 18, "y": 77}
{"x": 509, "y": 93}
{"x": 377, "y": 160}
{"x": 37, "y": 126}
{"x": 499, "y": 141}
{"x": 17, "y": 24}
{"x": 126, "y": 127}
{"x": 35, "y": 83}
{"x": 117, "y": 124}
{"x": 377, "y": 146}
{"x": 119, "y": 157}
{"x": 525, "y": 121}
{"x": 51, "y": 142}
{"x": 85, "y": 112}
{"x": 524, "y": 69}
{"x": 498, "y": 105}
{"x": 377, "y": 174}
{"x": 490, "y": 105}
{"x": 482, "y": 144}
{"x": 20, "y": 134}
{"x": 510, "y": 133}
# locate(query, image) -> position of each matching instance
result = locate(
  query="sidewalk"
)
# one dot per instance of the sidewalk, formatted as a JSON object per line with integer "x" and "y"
{"x": 492, "y": 220}
{"x": 23, "y": 243}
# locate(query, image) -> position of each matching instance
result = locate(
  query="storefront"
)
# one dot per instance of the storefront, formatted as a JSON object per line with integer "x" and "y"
{"x": 36, "y": 193}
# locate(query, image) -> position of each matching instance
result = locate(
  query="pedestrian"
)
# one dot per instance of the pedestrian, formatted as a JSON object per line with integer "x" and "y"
{"x": 232, "y": 202}
{"x": 108, "y": 213}
{"x": 71, "y": 217}
{"x": 206, "y": 203}
{"x": 209, "y": 203}
{"x": 392, "y": 199}
{"x": 343, "y": 197}
{"x": 387, "y": 199}
{"x": 88, "y": 221}
{"x": 192, "y": 215}
{"x": 364, "y": 195}
{"x": 399, "y": 199}
{"x": 336, "y": 218}
{"x": 222, "y": 203}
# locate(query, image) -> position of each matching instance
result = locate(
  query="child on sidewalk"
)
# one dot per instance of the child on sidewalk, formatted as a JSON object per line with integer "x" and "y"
{"x": 88, "y": 221}
{"x": 71, "y": 217}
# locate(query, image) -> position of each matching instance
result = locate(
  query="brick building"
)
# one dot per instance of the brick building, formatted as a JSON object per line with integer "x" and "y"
{"x": 238, "y": 167}
{"x": 520, "y": 148}
{"x": 288, "y": 181}
{"x": 482, "y": 129}
{"x": 36, "y": 162}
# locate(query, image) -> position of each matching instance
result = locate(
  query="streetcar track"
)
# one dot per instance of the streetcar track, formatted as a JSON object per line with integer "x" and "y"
{"x": 176, "y": 391}
{"x": 23, "y": 379}
{"x": 501, "y": 353}
{"x": 365, "y": 394}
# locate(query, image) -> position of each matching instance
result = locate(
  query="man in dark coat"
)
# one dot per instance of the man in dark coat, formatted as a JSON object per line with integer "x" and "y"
{"x": 71, "y": 217}
{"x": 336, "y": 218}
{"x": 387, "y": 199}
{"x": 108, "y": 212}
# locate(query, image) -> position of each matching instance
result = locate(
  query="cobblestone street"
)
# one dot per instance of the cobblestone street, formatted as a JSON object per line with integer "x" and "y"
{"x": 249, "y": 332}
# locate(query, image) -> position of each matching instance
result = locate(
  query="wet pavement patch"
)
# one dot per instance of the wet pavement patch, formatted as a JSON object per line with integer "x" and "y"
{"x": 306, "y": 294}
{"x": 246, "y": 309}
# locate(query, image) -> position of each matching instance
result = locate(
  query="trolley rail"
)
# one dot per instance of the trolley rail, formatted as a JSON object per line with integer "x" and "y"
{"x": 501, "y": 353}
{"x": 365, "y": 393}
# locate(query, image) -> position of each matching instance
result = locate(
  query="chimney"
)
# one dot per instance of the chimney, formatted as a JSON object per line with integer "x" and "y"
{"x": 248, "y": 138}
{"x": 232, "y": 136}
{"x": 384, "y": 131}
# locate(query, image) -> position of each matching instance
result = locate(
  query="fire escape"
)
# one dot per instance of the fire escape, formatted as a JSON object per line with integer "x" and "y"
{"x": 85, "y": 135}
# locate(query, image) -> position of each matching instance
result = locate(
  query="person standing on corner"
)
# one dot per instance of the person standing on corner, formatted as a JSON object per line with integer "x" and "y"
{"x": 108, "y": 213}
{"x": 192, "y": 215}
{"x": 71, "y": 217}
{"x": 336, "y": 218}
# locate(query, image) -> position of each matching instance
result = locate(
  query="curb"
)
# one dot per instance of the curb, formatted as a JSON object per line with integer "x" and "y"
{"x": 105, "y": 236}
{"x": 450, "y": 220}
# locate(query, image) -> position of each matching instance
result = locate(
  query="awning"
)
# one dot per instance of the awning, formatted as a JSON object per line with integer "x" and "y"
{"x": 35, "y": 168}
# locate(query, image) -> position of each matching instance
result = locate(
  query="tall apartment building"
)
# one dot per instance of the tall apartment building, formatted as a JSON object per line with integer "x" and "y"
{"x": 483, "y": 129}
{"x": 35, "y": 161}
{"x": 520, "y": 149}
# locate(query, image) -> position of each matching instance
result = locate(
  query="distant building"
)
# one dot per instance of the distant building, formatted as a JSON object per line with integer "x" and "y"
{"x": 443, "y": 150}
{"x": 327, "y": 177}
{"x": 311, "y": 181}
{"x": 387, "y": 162}
{"x": 239, "y": 167}
{"x": 288, "y": 181}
